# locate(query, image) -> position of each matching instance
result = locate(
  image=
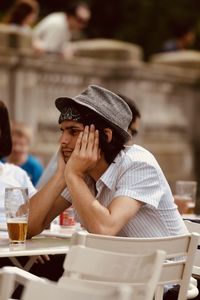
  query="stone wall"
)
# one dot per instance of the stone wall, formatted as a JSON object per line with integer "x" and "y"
{"x": 167, "y": 96}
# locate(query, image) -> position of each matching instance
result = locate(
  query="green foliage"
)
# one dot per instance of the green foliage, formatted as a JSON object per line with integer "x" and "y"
{"x": 144, "y": 22}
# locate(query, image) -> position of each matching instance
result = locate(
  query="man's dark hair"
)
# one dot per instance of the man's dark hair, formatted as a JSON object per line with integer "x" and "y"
{"x": 133, "y": 107}
{"x": 112, "y": 148}
{"x": 88, "y": 117}
{"x": 5, "y": 134}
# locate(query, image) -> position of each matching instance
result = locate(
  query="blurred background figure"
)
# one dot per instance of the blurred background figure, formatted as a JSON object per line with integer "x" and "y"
{"x": 23, "y": 14}
{"x": 21, "y": 139}
{"x": 48, "y": 171}
{"x": 10, "y": 175}
{"x": 53, "y": 33}
{"x": 135, "y": 123}
{"x": 5, "y": 135}
{"x": 183, "y": 38}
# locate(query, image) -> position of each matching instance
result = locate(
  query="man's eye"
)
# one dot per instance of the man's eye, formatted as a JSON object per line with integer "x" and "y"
{"x": 74, "y": 131}
{"x": 61, "y": 130}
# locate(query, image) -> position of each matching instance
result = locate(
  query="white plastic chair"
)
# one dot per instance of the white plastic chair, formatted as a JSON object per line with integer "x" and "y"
{"x": 76, "y": 291}
{"x": 140, "y": 271}
{"x": 195, "y": 227}
{"x": 175, "y": 271}
{"x": 10, "y": 277}
{"x": 7, "y": 281}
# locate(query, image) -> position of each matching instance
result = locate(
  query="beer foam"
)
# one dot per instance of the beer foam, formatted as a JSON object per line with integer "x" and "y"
{"x": 17, "y": 220}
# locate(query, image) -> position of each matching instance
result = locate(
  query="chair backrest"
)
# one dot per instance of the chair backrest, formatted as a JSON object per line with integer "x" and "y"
{"x": 140, "y": 271}
{"x": 7, "y": 283}
{"x": 175, "y": 270}
{"x": 10, "y": 277}
{"x": 195, "y": 227}
{"x": 76, "y": 290}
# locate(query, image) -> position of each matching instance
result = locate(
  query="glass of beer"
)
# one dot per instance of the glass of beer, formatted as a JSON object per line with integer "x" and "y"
{"x": 17, "y": 210}
{"x": 185, "y": 196}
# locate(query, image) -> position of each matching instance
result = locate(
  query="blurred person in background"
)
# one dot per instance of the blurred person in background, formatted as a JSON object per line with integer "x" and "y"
{"x": 184, "y": 38}
{"x": 10, "y": 175}
{"x": 23, "y": 14}
{"x": 53, "y": 33}
{"x": 22, "y": 139}
{"x": 135, "y": 122}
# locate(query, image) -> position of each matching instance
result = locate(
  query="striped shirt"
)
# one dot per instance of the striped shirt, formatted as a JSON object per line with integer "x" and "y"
{"x": 135, "y": 173}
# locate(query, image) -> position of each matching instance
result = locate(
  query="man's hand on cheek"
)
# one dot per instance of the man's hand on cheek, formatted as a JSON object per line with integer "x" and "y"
{"x": 85, "y": 154}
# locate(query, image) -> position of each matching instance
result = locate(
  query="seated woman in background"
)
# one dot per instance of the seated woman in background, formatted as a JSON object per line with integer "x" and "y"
{"x": 21, "y": 141}
{"x": 10, "y": 175}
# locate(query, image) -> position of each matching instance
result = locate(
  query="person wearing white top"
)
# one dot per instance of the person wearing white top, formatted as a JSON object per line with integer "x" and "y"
{"x": 10, "y": 176}
{"x": 114, "y": 190}
{"x": 53, "y": 33}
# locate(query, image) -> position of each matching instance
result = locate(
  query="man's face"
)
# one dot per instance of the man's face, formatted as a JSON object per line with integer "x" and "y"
{"x": 69, "y": 133}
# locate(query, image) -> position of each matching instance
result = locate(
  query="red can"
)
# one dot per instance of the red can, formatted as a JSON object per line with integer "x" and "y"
{"x": 67, "y": 217}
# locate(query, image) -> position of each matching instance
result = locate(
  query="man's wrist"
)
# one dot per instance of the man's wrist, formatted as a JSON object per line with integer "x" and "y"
{"x": 71, "y": 176}
{"x": 58, "y": 178}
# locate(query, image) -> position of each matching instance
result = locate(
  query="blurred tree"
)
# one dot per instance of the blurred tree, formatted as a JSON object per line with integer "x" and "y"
{"x": 144, "y": 22}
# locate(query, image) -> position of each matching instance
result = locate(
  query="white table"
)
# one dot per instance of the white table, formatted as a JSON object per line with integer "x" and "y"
{"x": 191, "y": 216}
{"x": 47, "y": 243}
{"x": 39, "y": 245}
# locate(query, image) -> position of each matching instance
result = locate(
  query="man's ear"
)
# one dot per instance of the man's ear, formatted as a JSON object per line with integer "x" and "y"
{"x": 108, "y": 133}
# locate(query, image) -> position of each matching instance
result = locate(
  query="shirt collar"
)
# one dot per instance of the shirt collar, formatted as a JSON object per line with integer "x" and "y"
{"x": 109, "y": 177}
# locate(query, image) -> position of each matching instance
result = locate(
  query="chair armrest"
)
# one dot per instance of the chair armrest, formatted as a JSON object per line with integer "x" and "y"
{"x": 21, "y": 276}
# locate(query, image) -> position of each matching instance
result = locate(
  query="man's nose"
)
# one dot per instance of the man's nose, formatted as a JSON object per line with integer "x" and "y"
{"x": 65, "y": 138}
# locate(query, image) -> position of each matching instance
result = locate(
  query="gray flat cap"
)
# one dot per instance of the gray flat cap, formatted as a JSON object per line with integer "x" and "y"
{"x": 105, "y": 103}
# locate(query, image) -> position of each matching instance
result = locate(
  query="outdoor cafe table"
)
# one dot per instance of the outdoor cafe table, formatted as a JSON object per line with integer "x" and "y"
{"x": 47, "y": 243}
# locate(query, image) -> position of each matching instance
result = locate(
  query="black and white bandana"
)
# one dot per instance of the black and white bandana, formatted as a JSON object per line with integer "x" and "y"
{"x": 69, "y": 113}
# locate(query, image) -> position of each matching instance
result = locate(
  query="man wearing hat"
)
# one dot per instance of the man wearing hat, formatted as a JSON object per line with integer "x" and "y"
{"x": 115, "y": 189}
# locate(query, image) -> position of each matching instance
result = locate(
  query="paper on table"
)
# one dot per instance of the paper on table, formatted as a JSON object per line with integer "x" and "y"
{"x": 61, "y": 231}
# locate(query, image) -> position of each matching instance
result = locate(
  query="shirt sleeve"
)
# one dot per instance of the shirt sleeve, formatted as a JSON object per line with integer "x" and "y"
{"x": 65, "y": 194}
{"x": 141, "y": 182}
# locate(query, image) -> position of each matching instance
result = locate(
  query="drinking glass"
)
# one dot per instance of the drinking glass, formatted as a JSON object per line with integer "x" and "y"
{"x": 185, "y": 196}
{"x": 17, "y": 210}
